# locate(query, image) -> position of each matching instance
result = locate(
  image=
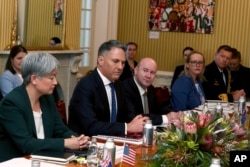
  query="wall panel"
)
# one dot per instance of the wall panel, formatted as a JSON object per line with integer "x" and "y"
{"x": 231, "y": 26}
{"x": 7, "y": 18}
{"x": 40, "y": 23}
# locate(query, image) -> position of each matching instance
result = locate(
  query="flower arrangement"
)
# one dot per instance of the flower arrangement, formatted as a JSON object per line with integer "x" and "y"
{"x": 197, "y": 138}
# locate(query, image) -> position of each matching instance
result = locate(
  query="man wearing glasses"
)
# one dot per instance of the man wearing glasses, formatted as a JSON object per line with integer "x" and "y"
{"x": 217, "y": 86}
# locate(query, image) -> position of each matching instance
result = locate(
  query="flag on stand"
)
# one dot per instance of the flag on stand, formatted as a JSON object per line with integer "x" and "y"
{"x": 128, "y": 156}
{"x": 106, "y": 162}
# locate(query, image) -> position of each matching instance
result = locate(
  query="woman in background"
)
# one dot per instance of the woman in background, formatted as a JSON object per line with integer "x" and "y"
{"x": 187, "y": 92}
{"x": 128, "y": 70}
{"x": 29, "y": 121}
{"x": 11, "y": 77}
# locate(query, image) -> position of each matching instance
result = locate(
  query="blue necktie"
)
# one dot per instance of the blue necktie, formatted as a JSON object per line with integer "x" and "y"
{"x": 113, "y": 103}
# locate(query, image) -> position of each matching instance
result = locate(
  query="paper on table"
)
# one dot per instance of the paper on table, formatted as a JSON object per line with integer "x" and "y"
{"x": 23, "y": 162}
{"x": 135, "y": 141}
{"x": 212, "y": 106}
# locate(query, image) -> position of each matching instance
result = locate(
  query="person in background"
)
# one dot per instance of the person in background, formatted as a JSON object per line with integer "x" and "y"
{"x": 187, "y": 92}
{"x": 29, "y": 121}
{"x": 54, "y": 41}
{"x": 179, "y": 69}
{"x": 135, "y": 87}
{"x": 217, "y": 85}
{"x": 91, "y": 111}
{"x": 239, "y": 74}
{"x": 130, "y": 64}
{"x": 11, "y": 77}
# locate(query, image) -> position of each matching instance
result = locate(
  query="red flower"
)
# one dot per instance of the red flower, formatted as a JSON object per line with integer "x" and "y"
{"x": 207, "y": 141}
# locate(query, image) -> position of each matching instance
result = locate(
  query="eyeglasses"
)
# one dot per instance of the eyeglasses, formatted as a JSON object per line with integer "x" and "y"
{"x": 196, "y": 63}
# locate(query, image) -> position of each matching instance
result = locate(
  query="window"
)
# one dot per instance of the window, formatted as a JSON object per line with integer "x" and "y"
{"x": 85, "y": 31}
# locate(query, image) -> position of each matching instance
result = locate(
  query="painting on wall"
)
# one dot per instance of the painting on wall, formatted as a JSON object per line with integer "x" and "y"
{"x": 193, "y": 16}
{"x": 58, "y": 11}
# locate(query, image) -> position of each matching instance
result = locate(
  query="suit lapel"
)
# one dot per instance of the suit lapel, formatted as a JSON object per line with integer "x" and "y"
{"x": 102, "y": 94}
{"x": 137, "y": 92}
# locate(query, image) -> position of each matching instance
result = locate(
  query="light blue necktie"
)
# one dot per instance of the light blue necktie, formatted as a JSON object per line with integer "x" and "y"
{"x": 113, "y": 103}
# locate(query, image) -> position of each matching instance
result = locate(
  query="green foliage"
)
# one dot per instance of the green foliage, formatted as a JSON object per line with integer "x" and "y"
{"x": 198, "y": 139}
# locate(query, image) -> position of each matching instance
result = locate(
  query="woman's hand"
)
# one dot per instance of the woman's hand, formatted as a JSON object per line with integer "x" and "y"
{"x": 79, "y": 142}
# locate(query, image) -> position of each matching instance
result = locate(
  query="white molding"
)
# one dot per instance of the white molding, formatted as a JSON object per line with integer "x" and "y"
{"x": 163, "y": 78}
{"x": 105, "y": 24}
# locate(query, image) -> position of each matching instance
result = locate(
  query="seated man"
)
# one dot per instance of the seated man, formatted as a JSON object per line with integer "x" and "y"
{"x": 95, "y": 107}
{"x": 179, "y": 69}
{"x": 135, "y": 87}
{"x": 239, "y": 73}
{"x": 217, "y": 85}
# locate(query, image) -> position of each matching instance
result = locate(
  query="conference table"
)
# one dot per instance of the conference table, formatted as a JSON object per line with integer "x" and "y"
{"x": 141, "y": 152}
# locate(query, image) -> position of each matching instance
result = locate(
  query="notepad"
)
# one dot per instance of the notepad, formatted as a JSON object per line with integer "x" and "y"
{"x": 135, "y": 141}
{"x": 62, "y": 157}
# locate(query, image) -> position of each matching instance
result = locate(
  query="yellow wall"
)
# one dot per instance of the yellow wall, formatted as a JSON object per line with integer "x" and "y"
{"x": 72, "y": 30}
{"x": 40, "y": 23}
{"x": 231, "y": 26}
{"x": 6, "y": 22}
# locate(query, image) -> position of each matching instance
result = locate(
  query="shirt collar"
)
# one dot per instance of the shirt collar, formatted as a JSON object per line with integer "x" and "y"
{"x": 221, "y": 70}
{"x": 141, "y": 90}
{"x": 105, "y": 80}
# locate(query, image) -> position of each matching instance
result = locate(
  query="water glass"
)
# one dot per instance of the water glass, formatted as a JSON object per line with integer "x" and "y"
{"x": 92, "y": 162}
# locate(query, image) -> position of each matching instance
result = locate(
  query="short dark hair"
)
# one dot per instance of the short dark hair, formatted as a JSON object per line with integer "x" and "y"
{"x": 13, "y": 53}
{"x": 107, "y": 46}
{"x": 56, "y": 40}
{"x": 236, "y": 54}
{"x": 187, "y": 48}
{"x": 131, "y": 43}
{"x": 225, "y": 47}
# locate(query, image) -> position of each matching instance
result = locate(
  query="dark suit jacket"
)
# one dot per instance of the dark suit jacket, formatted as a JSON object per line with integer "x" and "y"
{"x": 177, "y": 73}
{"x": 17, "y": 127}
{"x": 241, "y": 80}
{"x": 89, "y": 111}
{"x": 215, "y": 84}
{"x": 134, "y": 101}
{"x": 127, "y": 73}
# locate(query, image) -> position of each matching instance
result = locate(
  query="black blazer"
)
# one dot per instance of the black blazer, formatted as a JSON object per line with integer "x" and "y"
{"x": 178, "y": 70}
{"x": 89, "y": 111}
{"x": 215, "y": 84}
{"x": 127, "y": 72}
{"x": 134, "y": 101}
{"x": 240, "y": 80}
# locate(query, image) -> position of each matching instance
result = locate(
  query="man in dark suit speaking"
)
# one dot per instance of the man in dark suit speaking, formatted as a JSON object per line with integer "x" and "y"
{"x": 95, "y": 107}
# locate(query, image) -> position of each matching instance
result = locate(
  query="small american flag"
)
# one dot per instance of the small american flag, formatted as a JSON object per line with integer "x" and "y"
{"x": 129, "y": 156}
{"x": 106, "y": 162}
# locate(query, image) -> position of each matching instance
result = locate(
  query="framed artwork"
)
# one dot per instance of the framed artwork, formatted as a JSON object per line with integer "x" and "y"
{"x": 192, "y": 16}
{"x": 58, "y": 12}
